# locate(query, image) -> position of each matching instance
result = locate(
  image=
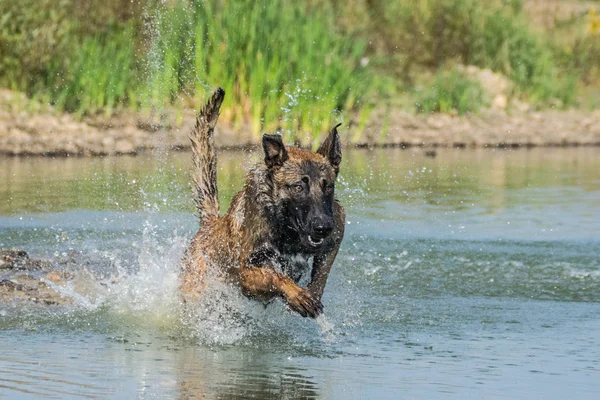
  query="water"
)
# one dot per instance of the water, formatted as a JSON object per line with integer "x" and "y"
{"x": 474, "y": 274}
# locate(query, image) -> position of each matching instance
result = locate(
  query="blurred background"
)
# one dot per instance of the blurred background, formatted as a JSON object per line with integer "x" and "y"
{"x": 296, "y": 66}
{"x": 464, "y": 273}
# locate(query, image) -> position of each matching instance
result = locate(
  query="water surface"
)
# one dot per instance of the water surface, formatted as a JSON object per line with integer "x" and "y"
{"x": 474, "y": 274}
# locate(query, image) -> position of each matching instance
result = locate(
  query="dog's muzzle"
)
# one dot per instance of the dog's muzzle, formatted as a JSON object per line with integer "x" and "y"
{"x": 320, "y": 232}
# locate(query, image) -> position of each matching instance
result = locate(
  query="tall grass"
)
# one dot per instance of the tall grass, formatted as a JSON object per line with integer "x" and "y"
{"x": 99, "y": 76}
{"x": 286, "y": 65}
{"x": 510, "y": 47}
{"x": 71, "y": 53}
{"x": 576, "y": 45}
{"x": 32, "y": 34}
{"x": 495, "y": 34}
{"x": 451, "y": 91}
{"x": 283, "y": 65}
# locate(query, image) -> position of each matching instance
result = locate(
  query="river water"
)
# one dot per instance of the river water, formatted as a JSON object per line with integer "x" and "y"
{"x": 472, "y": 274}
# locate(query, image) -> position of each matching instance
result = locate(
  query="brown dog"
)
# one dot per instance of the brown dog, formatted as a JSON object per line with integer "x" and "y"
{"x": 285, "y": 215}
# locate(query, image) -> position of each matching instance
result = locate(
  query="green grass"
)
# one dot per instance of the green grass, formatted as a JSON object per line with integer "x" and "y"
{"x": 451, "y": 91}
{"x": 47, "y": 46}
{"x": 283, "y": 66}
{"x": 510, "y": 47}
{"x": 98, "y": 77}
{"x": 432, "y": 34}
{"x": 292, "y": 66}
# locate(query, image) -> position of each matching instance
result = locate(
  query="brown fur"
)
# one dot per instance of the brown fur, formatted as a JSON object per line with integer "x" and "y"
{"x": 243, "y": 245}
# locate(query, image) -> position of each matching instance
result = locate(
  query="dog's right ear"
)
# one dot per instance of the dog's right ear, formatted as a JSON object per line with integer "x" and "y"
{"x": 275, "y": 152}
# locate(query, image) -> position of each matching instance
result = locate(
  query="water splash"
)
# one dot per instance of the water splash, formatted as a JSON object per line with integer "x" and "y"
{"x": 327, "y": 328}
{"x": 137, "y": 290}
{"x": 152, "y": 291}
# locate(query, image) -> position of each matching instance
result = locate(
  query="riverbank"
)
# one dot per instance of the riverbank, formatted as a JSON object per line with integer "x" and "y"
{"x": 29, "y": 128}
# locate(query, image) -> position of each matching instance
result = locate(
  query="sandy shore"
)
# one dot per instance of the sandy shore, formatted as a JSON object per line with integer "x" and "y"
{"x": 40, "y": 130}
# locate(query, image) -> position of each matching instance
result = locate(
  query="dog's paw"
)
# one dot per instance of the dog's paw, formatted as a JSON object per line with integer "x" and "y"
{"x": 303, "y": 302}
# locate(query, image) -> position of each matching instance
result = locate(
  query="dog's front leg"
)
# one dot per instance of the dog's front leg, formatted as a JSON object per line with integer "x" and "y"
{"x": 264, "y": 283}
{"x": 321, "y": 266}
{"x": 322, "y": 262}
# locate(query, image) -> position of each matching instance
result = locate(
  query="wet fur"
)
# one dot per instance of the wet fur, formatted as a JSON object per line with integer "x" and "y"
{"x": 261, "y": 243}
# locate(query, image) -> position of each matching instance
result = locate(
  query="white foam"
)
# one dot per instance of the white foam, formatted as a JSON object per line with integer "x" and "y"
{"x": 581, "y": 274}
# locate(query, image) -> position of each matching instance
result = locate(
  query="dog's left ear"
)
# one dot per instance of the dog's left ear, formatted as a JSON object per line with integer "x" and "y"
{"x": 331, "y": 149}
{"x": 275, "y": 152}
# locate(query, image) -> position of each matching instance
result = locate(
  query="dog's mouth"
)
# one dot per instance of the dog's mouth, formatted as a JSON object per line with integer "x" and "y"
{"x": 315, "y": 241}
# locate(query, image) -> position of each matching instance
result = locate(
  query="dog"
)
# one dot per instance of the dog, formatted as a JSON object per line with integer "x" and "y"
{"x": 285, "y": 215}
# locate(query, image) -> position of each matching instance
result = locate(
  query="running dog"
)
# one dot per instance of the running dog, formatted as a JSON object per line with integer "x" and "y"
{"x": 285, "y": 215}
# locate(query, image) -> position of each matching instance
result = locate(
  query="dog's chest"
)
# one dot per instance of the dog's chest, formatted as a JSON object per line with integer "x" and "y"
{"x": 295, "y": 265}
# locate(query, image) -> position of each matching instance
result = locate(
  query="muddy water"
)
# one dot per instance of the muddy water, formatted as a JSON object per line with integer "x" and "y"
{"x": 474, "y": 274}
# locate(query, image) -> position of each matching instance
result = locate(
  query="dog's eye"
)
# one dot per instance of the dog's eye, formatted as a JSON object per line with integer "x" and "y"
{"x": 328, "y": 189}
{"x": 298, "y": 188}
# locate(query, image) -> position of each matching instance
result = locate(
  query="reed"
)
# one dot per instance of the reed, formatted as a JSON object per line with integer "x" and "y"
{"x": 451, "y": 91}
{"x": 290, "y": 66}
{"x": 99, "y": 76}
{"x": 283, "y": 65}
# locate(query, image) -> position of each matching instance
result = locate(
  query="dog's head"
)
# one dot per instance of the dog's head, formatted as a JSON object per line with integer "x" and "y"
{"x": 303, "y": 186}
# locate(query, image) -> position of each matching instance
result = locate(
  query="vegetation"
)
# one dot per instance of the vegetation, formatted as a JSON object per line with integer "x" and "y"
{"x": 284, "y": 65}
{"x": 451, "y": 91}
{"x": 497, "y": 35}
{"x": 99, "y": 76}
{"x": 289, "y": 65}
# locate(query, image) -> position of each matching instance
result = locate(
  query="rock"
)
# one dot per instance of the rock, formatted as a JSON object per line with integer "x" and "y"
{"x": 11, "y": 284}
{"x": 53, "y": 276}
{"x": 500, "y": 102}
{"x": 22, "y": 279}
{"x": 15, "y": 259}
{"x": 493, "y": 84}
{"x": 27, "y": 288}
{"x": 18, "y": 259}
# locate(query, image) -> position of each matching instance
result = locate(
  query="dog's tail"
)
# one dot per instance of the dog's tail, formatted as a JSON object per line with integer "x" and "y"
{"x": 204, "y": 158}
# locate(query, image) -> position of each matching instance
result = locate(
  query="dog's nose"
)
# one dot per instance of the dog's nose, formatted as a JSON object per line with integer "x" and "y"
{"x": 323, "y": 229}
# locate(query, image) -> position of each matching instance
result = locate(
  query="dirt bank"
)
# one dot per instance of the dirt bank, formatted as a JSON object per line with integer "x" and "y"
{"x": 490, "y": 128}
{"x": 27, "y": 128}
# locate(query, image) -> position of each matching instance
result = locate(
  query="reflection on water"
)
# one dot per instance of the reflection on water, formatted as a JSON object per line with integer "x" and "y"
{"x": 454, "y": 179}
{"x": 235, "y": 377}
{"x": 472, "y": 274}
{"x": 81, "y": 365}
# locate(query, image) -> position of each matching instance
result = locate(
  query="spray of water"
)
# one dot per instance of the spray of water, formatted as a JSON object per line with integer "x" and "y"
{"x": 144, "y": 286}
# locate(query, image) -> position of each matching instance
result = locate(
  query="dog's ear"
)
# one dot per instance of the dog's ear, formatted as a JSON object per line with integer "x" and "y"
{"x": 275, "y": 152}
{"x": 331, "y": 149}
